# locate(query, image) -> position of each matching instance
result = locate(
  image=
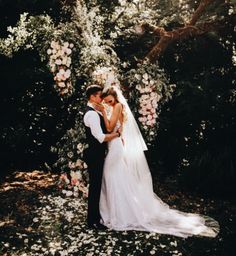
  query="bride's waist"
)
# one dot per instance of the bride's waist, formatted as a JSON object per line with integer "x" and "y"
{"x": 116, "y": 141}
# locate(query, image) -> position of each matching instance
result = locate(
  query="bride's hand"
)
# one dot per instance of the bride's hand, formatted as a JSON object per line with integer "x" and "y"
{"x": 99, "y": 107}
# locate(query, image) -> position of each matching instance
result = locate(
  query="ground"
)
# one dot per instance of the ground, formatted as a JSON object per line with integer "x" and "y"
{"x": 37, "y": 219}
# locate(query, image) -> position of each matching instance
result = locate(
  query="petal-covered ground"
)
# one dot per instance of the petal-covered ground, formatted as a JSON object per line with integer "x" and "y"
{"x": 37, "y": 219}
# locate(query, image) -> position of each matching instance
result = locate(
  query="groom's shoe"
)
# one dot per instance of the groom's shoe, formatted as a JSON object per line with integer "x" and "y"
{"x": 97, "y": 226}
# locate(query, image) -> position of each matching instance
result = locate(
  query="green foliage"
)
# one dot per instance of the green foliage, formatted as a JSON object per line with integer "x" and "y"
{"x": 107, "y": 33}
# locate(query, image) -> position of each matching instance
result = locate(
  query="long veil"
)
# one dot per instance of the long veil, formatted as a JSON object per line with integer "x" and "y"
{"x": 163, "y": 219}
{"x": 134, "y": 144}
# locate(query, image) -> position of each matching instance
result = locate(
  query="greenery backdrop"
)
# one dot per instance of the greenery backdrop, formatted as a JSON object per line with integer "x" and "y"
{"x": 189, "y": 44}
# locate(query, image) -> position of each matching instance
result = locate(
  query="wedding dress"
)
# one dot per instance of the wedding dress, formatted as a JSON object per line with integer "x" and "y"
{"x": 128, "y": 202}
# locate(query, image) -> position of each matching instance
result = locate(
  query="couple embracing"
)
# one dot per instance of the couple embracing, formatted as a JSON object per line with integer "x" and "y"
{"x": 121, "y": 195}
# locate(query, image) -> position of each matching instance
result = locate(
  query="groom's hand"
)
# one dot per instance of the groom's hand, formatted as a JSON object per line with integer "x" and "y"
{"x": 99, "y": 107}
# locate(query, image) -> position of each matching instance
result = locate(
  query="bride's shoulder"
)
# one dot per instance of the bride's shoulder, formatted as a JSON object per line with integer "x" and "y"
{"x": 118, "y": 106}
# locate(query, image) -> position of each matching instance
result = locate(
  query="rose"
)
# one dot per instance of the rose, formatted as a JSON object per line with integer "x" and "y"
{"x": 64, "y": 60}
{"x": 58, "y": 61}
{"x": 66, "y": 44}
{"x": 67, "y": 73}
{"x": 74, "y": 182}
{"x": 68, "y": 51}
{"x": 69, "y": 193}
{"x": 53, "y": 44}
{"x": 62, "y": 84}
{"x": 145, "y": 76}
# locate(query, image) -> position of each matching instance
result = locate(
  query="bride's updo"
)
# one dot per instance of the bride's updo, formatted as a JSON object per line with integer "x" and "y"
{"x": 110, "y": 91}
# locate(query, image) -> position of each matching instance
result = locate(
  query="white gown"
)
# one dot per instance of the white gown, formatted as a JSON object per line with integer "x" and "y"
{"x": 127, "y": 202}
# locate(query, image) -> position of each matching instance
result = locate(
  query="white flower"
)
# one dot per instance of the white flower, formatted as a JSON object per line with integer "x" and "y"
{"x": 63, "y": 191}
{"x": 145, "y": 81}
{"x": 69, "y": 193}
{"x": 76, "y": 194}
{"x": 66, "y": 44}
{"x": 113, "y": 35}
{"x": 68, "y": 51}
{"x": 67, "y": 73}
{"x": 53, "y": 44}
{"x": 139, "y": 30}
{"x": 71, "y": 45}
{"x": 49, "y": 51}
{"x": 58, "y": 61}
{"x": 61, "y": 84}
{"x": 57, "y": 46}
{"x": 145, "y": 76}
{"x": 137, "y": 76}
{"x": 64, "y": 60}
{"x": 60, "y": 53}
{"x": 61, "y": 71}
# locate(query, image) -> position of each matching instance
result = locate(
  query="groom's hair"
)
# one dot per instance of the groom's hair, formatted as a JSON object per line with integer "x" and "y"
{"x": 92, "y": 90}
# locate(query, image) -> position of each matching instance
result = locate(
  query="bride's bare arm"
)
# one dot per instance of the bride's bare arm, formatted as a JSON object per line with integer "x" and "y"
{"x": 110, "y": 124}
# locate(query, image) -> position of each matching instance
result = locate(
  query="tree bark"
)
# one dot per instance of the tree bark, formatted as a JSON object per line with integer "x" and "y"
{"x": 189, "y": 30}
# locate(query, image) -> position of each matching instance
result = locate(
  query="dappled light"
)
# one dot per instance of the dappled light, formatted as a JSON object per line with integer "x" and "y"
{"x": 162, "y": 73}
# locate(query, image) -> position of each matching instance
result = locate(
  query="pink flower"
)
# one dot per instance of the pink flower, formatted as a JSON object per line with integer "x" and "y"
{"x": 74, "y": 181}
{"x": 58, "y": 61}
{"x": 62, "y": 85}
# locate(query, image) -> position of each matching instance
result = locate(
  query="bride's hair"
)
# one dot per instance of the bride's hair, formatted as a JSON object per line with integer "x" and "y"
{"x": 110, "y": 91}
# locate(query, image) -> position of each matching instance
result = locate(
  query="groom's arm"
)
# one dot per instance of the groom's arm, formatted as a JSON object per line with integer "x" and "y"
{"x": 92, "y": 120}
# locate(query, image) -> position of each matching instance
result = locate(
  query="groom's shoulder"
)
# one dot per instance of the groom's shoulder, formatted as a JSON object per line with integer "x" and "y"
{"x": 90, "y": 112}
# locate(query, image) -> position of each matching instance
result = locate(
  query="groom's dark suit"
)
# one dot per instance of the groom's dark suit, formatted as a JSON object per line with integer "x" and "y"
{"x": 94, "y": 156}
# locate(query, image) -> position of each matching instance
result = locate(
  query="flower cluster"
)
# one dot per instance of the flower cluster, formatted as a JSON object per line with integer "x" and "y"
{"x": 73, "y": 185}
{"x": 151, "y": 88}
{"x": 30, "y": 32}
{"x": 148, "y": 102}
{"x": 60, "y": 66}
{"x": 18, "y": 37}
{"x": 106, "y": 77}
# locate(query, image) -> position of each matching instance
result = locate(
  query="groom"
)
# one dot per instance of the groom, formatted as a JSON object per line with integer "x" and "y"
{"x": 94, "y": 155}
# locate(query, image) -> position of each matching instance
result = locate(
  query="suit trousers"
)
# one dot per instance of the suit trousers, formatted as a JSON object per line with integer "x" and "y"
{"x": 95, "y": 170}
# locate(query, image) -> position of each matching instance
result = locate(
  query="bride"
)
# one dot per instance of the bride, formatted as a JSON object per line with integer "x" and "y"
{"x": 127, "y": 200}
